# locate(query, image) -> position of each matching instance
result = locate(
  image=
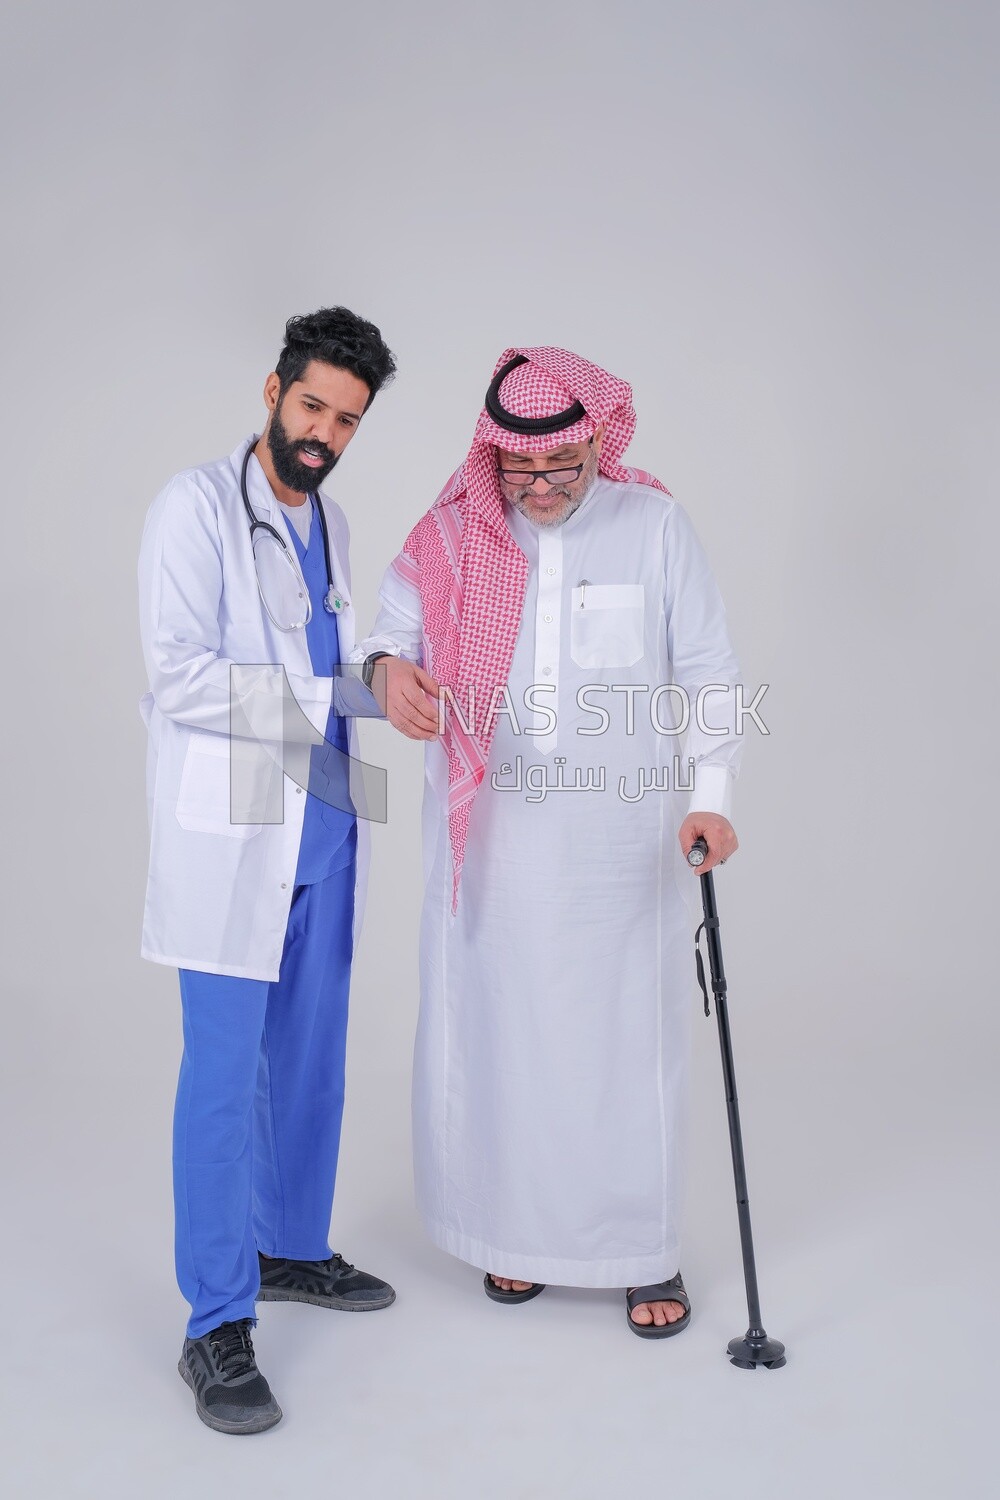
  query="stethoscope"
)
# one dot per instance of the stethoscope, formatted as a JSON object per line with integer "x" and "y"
{"x": 333, "y": 603}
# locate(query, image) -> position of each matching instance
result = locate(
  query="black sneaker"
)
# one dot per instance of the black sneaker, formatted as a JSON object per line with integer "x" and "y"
{"x": 230, "y": 1393}
{"x": 324, "y": 1283}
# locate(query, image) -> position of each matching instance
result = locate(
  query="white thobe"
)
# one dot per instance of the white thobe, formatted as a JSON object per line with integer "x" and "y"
{"x": 552, "y": 1042}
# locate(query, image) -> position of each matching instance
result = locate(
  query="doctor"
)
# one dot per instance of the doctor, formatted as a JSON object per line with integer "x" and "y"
{"x": 245, "y": 618}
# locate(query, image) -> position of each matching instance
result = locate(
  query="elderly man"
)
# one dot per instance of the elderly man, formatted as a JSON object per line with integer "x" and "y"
{"x": 564, "y": 607}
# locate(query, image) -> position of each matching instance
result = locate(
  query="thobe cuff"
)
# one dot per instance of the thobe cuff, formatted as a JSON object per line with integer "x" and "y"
{"x": 713, "y": 791}
{"x": 375, "y": 646}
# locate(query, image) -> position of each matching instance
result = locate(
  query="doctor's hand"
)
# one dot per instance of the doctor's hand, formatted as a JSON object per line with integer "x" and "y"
{"x": 718, "y": 834}
{"x": 408, "y": 696}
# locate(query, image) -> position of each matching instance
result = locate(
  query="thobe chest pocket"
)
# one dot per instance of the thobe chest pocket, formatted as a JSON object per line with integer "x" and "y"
{"x": 203, "y": 801}
{"x": 606, "y": 624}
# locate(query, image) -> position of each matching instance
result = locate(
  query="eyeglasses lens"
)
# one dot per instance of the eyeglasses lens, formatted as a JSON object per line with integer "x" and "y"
{"x": 553, "y": 477}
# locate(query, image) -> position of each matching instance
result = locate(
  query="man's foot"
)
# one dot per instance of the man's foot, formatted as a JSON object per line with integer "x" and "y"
{"x": 323, "y": 1283}
{"x": 659, "y": 1310}
{"x": 504, "y": 1289}
{"x": 230, "y": 1393}
{"x": 657, "y": 1314}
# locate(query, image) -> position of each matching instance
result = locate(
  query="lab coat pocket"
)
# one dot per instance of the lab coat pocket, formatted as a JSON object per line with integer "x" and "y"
{"x": 606, "y": 625}
{"x": 204, "y": 791}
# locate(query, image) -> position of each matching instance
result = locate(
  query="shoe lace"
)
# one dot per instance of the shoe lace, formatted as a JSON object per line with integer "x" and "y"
{"x": 233, "y": 1348}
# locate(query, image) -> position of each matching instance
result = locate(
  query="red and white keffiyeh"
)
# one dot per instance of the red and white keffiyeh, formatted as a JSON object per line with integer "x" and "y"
{"x": 470, "y": 571}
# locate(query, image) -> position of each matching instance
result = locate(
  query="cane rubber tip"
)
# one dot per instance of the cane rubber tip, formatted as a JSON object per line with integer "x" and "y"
{"x": 748, "y": 1353}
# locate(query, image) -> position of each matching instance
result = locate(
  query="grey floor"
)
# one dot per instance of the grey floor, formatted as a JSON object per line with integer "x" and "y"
{"x": 874, "y": 1241}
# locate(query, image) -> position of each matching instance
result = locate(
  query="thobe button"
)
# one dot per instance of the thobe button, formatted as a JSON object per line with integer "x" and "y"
{"x": 284, "y": 885}
{"x": 550, "y": 571}
{"x": 546, "y": 671}
{"x": 548, "y": 619}
{"x": 298, "y": 791}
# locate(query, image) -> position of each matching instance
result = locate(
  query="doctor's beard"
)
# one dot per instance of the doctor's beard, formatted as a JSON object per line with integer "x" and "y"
{"x": 557, "y": 514}
{"x": 287, "y": 465}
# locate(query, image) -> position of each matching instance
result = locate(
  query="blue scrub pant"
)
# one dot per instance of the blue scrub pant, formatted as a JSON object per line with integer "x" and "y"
{"x": 259, "y": 1105}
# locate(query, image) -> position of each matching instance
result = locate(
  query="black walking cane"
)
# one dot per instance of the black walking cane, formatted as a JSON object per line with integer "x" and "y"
{"x": 756, "y": 1348}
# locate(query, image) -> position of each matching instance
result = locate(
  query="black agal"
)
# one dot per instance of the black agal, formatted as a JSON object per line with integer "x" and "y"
{"x": 529, "y": 425}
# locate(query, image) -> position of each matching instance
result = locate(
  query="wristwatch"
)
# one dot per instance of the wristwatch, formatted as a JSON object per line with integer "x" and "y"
{"x": 368, "y": 670}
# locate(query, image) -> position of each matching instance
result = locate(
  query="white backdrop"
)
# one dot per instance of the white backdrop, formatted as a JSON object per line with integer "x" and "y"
{"x": 779, "y": 221}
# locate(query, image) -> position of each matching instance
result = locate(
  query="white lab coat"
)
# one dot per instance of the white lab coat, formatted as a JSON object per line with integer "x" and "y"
{"x": 552, "y": 1042}
{"x": 219, "y": 891}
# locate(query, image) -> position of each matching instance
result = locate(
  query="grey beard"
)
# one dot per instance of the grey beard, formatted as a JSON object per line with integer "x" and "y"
{"x": 557, "y": 518}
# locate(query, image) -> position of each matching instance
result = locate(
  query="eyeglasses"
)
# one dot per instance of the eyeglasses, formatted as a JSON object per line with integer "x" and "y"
{"x": 525, "y": 478}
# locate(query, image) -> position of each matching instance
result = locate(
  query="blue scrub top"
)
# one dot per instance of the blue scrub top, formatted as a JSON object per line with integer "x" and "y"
{"x": 329, "y": 835}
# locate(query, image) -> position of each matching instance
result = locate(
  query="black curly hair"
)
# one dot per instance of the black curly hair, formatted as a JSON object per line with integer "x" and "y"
{"x": 340, "y": 338}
